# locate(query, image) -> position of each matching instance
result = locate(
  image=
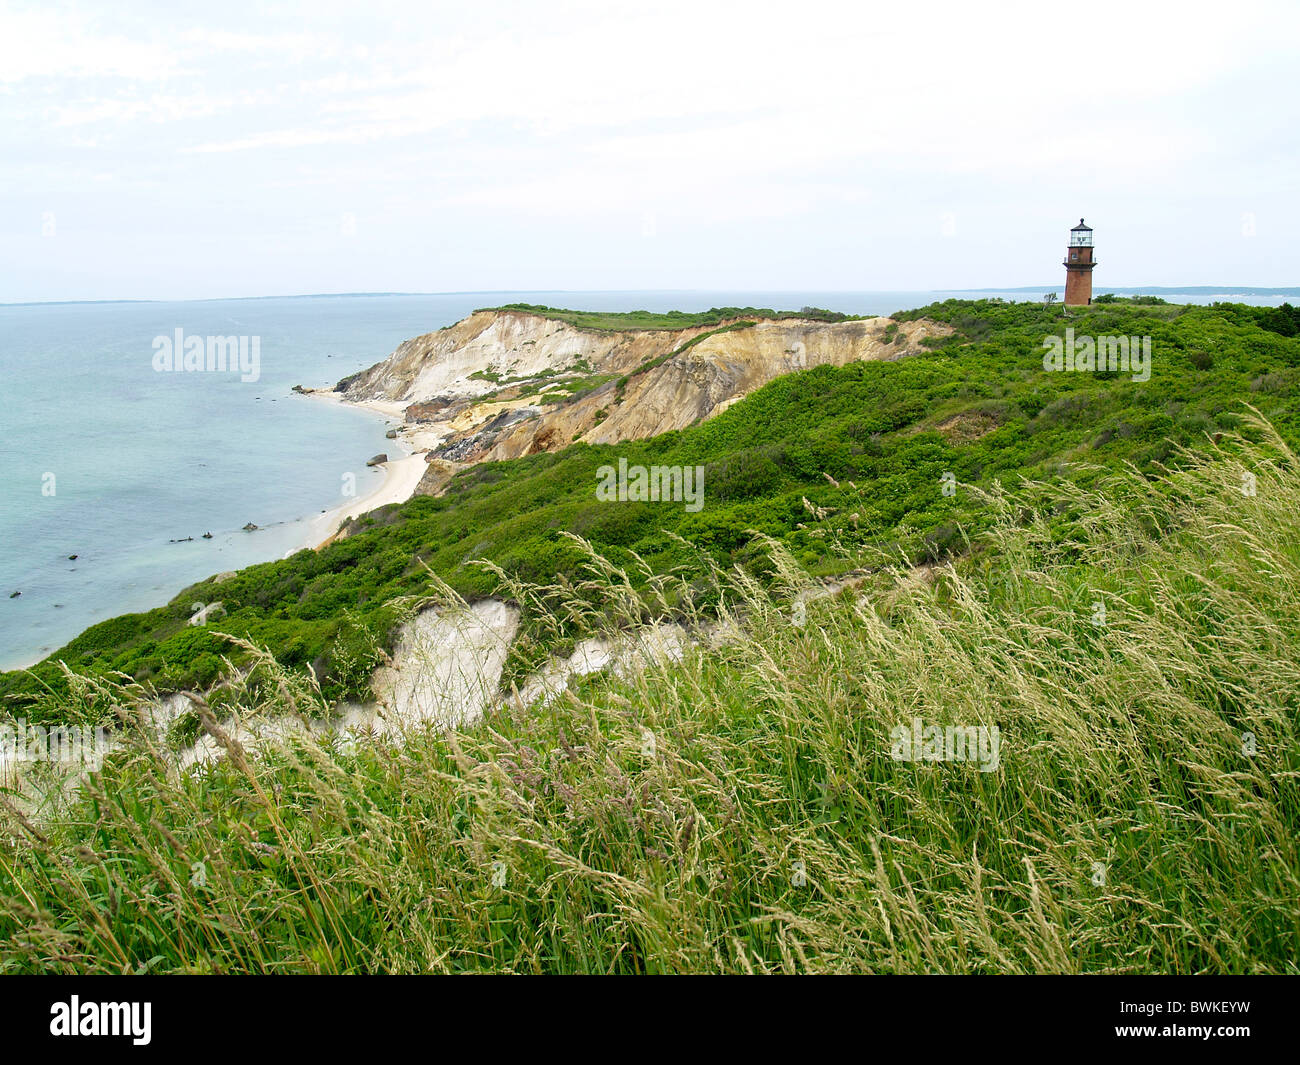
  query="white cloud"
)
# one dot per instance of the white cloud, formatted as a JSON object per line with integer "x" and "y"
{"x": 697, "y": 113}
{"x": 36, "y": 43}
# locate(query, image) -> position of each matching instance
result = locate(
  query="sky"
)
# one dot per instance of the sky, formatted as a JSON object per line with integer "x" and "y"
{"x": 190, "y": 150}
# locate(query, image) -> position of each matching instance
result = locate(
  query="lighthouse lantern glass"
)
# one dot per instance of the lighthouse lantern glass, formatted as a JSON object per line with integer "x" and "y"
{"x": 1081, "y": 238}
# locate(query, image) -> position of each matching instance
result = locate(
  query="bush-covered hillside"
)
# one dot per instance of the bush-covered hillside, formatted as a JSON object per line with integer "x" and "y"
{"x": 887, "y": 454}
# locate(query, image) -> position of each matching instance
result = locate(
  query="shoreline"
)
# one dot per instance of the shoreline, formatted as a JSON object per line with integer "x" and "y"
{"x": 401, "y": 474}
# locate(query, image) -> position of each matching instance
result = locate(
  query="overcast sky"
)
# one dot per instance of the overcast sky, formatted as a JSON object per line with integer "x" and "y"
{"x": 178, "y": 150}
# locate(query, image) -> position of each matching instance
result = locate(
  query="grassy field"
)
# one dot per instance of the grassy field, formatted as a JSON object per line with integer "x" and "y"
{"x": 1135, "y": 643}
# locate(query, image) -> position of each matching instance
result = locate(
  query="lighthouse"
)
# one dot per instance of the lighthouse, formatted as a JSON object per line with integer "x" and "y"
{"x": 1078, "y": 267}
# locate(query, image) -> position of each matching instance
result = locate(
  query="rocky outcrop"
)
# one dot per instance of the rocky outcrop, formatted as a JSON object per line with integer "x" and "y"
{"x": 436, "y": 477}
{"x": 436, "y": 408}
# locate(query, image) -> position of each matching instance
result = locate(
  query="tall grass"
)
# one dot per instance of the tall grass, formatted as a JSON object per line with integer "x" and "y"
{"x": 739, "y": 810}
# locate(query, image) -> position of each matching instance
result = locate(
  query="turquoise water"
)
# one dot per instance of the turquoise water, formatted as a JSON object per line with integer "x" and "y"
{"x": 141, "y": 458}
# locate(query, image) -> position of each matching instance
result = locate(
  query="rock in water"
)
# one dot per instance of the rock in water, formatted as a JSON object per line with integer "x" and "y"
{"x": 381, "y": 457}
{"x": 250, "y": 527}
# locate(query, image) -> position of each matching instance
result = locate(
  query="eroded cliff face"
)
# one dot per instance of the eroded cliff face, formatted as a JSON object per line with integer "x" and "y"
{"x": 500, "y": 384}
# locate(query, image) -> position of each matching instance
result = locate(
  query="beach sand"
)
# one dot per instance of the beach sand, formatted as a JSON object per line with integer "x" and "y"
{"x": 401, "y": 473}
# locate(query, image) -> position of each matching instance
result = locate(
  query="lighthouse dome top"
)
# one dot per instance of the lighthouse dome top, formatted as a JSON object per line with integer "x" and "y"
{"x": 1081, "y": 235}
{"x": 1082, "y": 226}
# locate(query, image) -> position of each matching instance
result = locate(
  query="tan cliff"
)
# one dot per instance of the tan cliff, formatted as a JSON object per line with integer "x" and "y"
{"x": 505, "y": 383}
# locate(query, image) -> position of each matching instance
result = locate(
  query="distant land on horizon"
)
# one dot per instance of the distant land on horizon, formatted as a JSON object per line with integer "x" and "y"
{"x": 1143, "y": 290}
{"x": 1154, "y": 290}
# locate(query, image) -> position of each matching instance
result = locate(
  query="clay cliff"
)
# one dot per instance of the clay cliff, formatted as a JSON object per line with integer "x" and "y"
{"x": 505, "y": 383}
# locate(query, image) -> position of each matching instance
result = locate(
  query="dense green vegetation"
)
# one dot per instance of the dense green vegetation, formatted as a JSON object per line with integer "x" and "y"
{"x": 825, "y": 462}
{"x": 575, "y": 387}
{"x": 1283, "y": 320}
{"x": 1151, "y": 301}
{"x": 743, "y": 810}
{"x": 624, "y": 321}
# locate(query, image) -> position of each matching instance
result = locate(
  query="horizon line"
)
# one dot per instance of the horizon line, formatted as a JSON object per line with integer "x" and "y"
{"x": 1225, "y": 289}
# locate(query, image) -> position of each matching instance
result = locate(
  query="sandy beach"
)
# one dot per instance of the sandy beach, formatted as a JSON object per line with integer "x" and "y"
{"x": 401, "y": 472}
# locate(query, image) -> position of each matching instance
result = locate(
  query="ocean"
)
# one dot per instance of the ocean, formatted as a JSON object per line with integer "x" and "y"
{"x": 126, "y": 466}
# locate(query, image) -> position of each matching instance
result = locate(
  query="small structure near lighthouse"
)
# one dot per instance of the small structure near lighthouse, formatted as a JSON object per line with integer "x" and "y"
{"x": 1078, "y": 266}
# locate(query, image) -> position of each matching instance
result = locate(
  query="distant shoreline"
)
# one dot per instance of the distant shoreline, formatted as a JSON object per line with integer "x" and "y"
{"x": 401, "y": 475}
{"x": 1155, "y": 290}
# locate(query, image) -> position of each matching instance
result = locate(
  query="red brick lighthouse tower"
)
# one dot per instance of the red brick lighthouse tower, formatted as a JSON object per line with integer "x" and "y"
{"x": 1078, "y": 267}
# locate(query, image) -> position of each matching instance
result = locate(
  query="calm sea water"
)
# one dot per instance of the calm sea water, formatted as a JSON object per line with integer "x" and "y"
{"x": 104, "y": 458}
